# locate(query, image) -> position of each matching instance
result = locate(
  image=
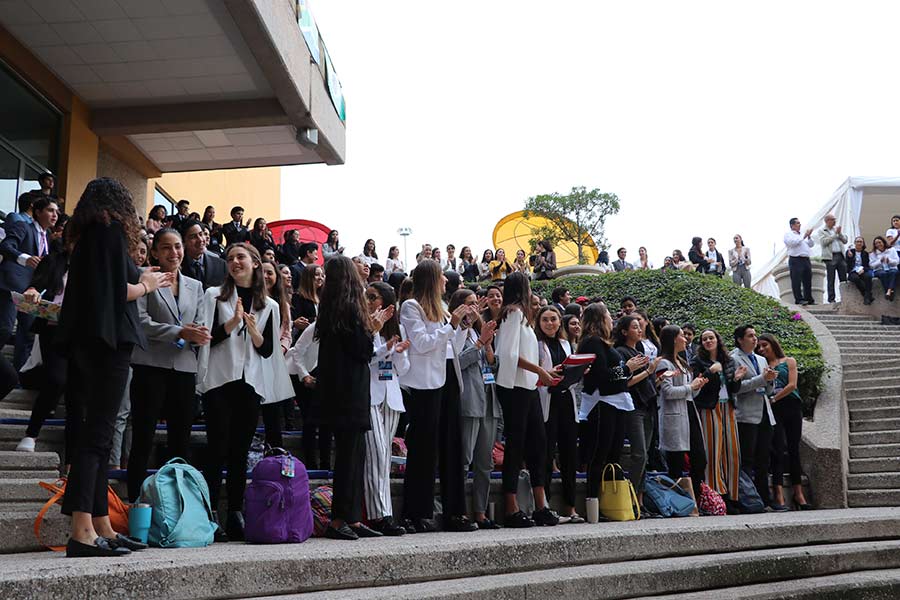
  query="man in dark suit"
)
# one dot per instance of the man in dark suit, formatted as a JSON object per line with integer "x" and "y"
{"x": 25, "y": 244}
{"x": 199, "y": 263}
{"x": 236, "y": 231}
{"x": 182, "y": 209}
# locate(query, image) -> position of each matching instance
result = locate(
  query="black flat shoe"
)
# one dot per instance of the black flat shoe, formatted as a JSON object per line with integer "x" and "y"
{"x": 75, "y": 549}
{"x": 408, "y": 526}
{"x": 545, "y": 517}
{"x": 364, "y": 532}
{"x": 518, "y": 520}
{"x": 424, "y": 525}
{"x": 344, "y": 532}
{"x": 798, "y": 506}
{"x": 487, "y": 524}
{"x": 459, "y": 524}
{"x": 386, "y": 526}
{"x": 126, "y": 541}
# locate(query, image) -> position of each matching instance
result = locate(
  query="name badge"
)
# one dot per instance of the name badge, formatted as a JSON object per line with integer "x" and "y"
{"x": 287, "y": 466}
{"x": 385, "y": 370}
{"x": 487, "y": 375}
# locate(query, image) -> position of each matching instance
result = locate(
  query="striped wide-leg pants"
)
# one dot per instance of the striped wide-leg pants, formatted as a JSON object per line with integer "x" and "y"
{"x": 377, "y": 473}
{"x": 723, "y": 449}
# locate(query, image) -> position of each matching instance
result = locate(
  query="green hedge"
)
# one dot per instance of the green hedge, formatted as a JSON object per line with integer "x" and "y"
{"x": 706, "y": 301}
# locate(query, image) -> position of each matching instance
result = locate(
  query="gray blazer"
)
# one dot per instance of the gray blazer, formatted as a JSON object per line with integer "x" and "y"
{"x": 159, "y": 315}
{"x": 674, "y": 394}
{"x": 477, "y": 400}
{"x": 749, "y": 403}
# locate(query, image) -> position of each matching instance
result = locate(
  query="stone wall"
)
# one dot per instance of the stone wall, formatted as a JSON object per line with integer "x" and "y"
{"x": 110, "y": 166}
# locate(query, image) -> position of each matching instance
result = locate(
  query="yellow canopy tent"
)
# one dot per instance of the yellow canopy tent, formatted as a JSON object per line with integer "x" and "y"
{"x": 513, "y": 232}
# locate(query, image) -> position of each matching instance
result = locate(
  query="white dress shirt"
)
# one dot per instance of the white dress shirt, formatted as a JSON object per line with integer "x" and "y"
{"x": 796, "y": 244}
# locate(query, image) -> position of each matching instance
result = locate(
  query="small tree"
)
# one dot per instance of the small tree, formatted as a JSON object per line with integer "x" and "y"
{"x": 578, "y": 217}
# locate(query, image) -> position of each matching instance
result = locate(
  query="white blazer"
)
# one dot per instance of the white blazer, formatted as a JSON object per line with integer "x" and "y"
{"x": 546, "y": 362}
{"x": 303, "y": 358}
{"x": 516, "y": 340}
{"x": 388, "y": 390}
{"x": 236, "y": 357}
{"x": 428, "y": 348}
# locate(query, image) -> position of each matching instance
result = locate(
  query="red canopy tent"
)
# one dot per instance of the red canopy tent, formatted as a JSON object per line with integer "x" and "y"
{"x": 310, "y": 231}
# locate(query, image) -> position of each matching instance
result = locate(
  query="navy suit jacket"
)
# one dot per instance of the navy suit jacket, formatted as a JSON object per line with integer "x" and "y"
{"x": 21, "y": 238}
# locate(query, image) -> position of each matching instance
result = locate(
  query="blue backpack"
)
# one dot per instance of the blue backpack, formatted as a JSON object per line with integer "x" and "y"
{"x": 665, "y": 497}
{"x": 182, "y": 513}
{"x": 748, "y": 497}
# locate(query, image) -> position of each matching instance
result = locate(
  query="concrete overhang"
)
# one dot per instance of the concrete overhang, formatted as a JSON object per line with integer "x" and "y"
{"x": 194, "y": 84}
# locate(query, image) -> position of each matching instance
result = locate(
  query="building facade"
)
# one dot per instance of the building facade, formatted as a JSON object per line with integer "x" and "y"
{"x": 196, "y": 99}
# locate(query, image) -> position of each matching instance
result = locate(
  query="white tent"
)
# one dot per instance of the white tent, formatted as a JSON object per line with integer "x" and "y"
{"x": 862, "y": 206}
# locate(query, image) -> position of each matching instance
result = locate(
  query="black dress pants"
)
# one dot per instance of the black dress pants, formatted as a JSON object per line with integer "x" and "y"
{"x": 863, "y": 283}
{"x": 434, "y": 439}
{"x": 801, "y": 278}
{"x": 697, "y": 454}
{"x": 316, "y": 434}
{"x": 97, "y": 379}
{"x": 788, "y": 430}
{"x": 526, "y": 437}
{"x": 562, "y": 437}
{"x": 349, "y": 462}
{"x": 53, "y": 382}
{"x": 232, "y": 411}
{"x": 836, "y": 266}
{"x": 158, "y": 393}
{"x": 756, "y": 440}
{"x": 606, "y": 426}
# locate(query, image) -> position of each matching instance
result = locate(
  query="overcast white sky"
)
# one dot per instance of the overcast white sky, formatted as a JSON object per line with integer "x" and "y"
{"x": 706, "y": 118}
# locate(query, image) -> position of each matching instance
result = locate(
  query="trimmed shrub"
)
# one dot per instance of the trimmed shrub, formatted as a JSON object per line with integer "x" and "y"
{"x": 707, "y": 302}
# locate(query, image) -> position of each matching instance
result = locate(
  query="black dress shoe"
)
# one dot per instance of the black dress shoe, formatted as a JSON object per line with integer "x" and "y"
{"x": 363, "y": 531}
{"x": 459, "y": 524}
{"x": 408, "y": 525}
{"x": 344, "y": 532}
{"x": 518, "y": 520}
{"x": 487, "y": 524}
{"x": 127, "y": 541}
{"x": 545, "y": 517}
{"x": 103, "y": 547}
{"x": 234, "y": 526}
{"x": 386, "y": 526}
{"x": 424, "y": 525}
{"x": 798, "y": 506}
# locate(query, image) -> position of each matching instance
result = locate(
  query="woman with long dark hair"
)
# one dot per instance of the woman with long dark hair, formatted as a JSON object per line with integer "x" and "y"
{"x": 332, "y": 246}
{"x": 468, "y": 267}
{"x": 344, "y": 332}
{"x": 278, "y": 416}
{"x": 696, "y": 255}
{"x": 369, "y": 256}
{"x": 788, "y": 409}
{"x": 99, "y": 328}
{"x": 164, "y": 374}
{"x": 484, "y": 267}
{"x": 393, "y": 264}
{"x": 716, "y": 401}
{"x": 518, "y": 373}
{"x": 155, "y": 219}
{"x": 237, "y": 372}
{"x": 679, "y": 424}
{"x": 433, "y": 407}
{"x": 261, "y": 237}
{"x": 215, "y": 229}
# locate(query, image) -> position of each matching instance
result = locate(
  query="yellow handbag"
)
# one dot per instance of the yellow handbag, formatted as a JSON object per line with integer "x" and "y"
{"x": 618, "y": 502}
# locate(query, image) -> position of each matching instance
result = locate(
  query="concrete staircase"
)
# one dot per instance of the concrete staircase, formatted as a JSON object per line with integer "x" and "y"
{"x": 818, "y": 554}
{"x": 870, "y": 354}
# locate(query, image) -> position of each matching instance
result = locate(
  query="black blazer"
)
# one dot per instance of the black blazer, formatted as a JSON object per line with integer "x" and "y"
{"x": 214, "y": 270}
{"x": 851, "y": 259}
{"x": 21, "y": 237}
{"x": 344, "y": 378}
{"x": 234, "y": 234}
{"x": 95, "y": 307}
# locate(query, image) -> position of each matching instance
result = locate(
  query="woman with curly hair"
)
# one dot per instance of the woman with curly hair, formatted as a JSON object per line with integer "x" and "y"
{"x": 99, "y": 327}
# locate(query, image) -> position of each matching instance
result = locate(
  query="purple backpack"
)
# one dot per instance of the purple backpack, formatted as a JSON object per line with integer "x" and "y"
{"x": 276, "y": 503}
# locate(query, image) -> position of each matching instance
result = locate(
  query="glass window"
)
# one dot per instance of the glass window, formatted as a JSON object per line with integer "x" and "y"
{"x": 30, "y": 180}
{"x": 28, "y": 122}
{"x": 9, "y": 180}
{"x": 160, "y": 198}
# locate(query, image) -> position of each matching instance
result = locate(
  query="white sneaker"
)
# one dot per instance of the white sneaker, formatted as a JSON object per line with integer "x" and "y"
{"x": 26, "y": 445}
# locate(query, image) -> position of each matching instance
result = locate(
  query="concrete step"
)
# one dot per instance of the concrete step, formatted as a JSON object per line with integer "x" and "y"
{"x": 888, "y": 412}
{"x": 861, "y": 451}
{"x": 857, "y": 355}
{"x": 51, "y": 439}
{"x": 11, "y": 460}
{"x": 868, "y": 392}
{"x": 18, "y": 529}
{"x": 697, "y": 554}
{"x": 883, "y": 464}
{"x": 874, "y": 424}
{"x": 23, "y": 490}
{"x": 830, "y": 316}
{"x": 855, "y": 365}
{"x": 639, "y": 577}
{"x": 888, "y": 378}
{"x": 874, "y": 437}
{"x": 874, "y": 481}
{"x": 874, "y": 402}
{"x": 873, "y": 335}
{"x": 880, "y": 584}
{"x": 867, "y": 498}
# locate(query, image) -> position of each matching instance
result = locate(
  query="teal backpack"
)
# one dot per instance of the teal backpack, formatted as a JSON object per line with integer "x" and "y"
{"x": 182, "y": 514}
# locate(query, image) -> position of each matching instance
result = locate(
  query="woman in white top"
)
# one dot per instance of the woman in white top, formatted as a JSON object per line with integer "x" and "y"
{"x": 388, "y": 365}
{"x": 739, "y": 260}
{"x": 369, "y": 256}
{"x": 884, "y": 260}
{"x": 238, "y": 370}
{"x": 393, "y": 264}
{"x": 518, "y": 373}
{"x": 433, "y": 406}
{"x": 893, "y": 234}
{"x": 643, "y": 263}
{"x": 484, "y": 267}
{"x": 332, "y": 246}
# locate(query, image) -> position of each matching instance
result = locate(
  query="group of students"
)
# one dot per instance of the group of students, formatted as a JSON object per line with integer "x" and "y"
{"x": 452, "y": 369}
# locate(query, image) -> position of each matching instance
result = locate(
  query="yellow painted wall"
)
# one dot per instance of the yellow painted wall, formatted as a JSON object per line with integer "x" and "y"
{"x": 79, "y": 154}
{"x": 257, "y": 190}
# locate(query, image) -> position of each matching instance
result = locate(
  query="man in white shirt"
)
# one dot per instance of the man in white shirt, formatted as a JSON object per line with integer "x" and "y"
{"x": 798, "y": 262}
{"x": 893, "y": 234}
{"x": 832, "y": 243}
